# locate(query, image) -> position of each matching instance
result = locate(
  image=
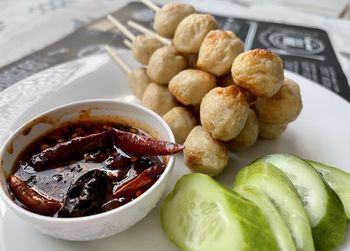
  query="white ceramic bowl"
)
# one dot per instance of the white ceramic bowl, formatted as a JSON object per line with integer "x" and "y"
{"x": 103, "y": 224}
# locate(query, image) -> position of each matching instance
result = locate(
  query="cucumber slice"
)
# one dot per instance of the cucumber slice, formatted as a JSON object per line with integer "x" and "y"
{"x": 200, "y": 214}
{"x": 283, "y": 237}
{"x": 324, "y": 209}
{"x": 338, "y": 180}
{"x": 268, "y": 179}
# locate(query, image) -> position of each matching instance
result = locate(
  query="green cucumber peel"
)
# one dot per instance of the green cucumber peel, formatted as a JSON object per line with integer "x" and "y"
{"x": 283, "y": 237}
{"x": 324, "y": 209}
{"x": 200, "y": 214}
{"x": 336, "y": 179}
{"x": 269, "y": 180}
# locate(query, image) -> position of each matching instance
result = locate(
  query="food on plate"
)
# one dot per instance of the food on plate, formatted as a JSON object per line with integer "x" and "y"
{"x": 259, "y": 70}
{"x": 283, "y": 107}
{"x": 169, "y": 16}
{"x": 203, "y": 153}
{"x": 323, "y": 206}
{"x": 248, "y": 135}
{"x": 181, "y": 121}
{"x": 189, "y": 86}
{"x": 87, "y": 167}
{"x": 266, "y": 178}
{"x": 279, "y": 229}
{"x": 338, "y": 180}
{"x": 158, "y": 98}
{"x": 191, "y": 32}
{"x": 224, "y": 112}
{"x": 143, "y": 46}
{"x": 271, "y": 131}
{"x": 217, "y": 52}
{"x": 201, "y": 214}
{"x": 138, "y": 81}
{"x": 164, "y": 64}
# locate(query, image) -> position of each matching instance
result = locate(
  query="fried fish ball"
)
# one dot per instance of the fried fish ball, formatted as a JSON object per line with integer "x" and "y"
{"x": 217, "y": 52}
{"x": 181, "y": 121}
{"x": 203, "y": 153}
{"x": 169, "y": 16}
{"x": 138, "y": 80}
{"x": 158, "y": 99}
{"x": 283, "y": 107}
{"x": 260, "y": 71}
{"x": 271, "y": 131}
{"x": 189, "y": 86}
{"x": 191, "y": 32}
{"x": 248, "y": 136}
{"x": 164, "y": 64}
{"x": 224, "y": 112}
{"x": 143, "y": 47}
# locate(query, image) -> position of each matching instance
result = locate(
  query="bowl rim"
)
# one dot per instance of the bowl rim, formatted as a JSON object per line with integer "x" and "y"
{"x": 169, "y": 134}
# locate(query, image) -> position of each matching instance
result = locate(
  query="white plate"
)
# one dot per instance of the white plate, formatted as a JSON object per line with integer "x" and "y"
{"x": 322, "y": 132}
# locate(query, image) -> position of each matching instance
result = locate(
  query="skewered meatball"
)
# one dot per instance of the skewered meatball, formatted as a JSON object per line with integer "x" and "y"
{"x": 248, "y": 136}
{"x": 164, "y": 64}
{"x": 204, "y": 154}
{"x": 283, "y": 107}
{"x": 260, "y": 71}
{"x": 224, "y": 112}
{"x": 158, "y": 98}
{"x": 143, "y": 47}
{"x": 271, "y": 131}
{"x": 169, "y": 16}
{"x": 189, "y": 86}
{"x": 191, "y": 32}
{"x": 138, "y": 80}
{"x": 217, "y": 52}
{"x": 181, "y": 121}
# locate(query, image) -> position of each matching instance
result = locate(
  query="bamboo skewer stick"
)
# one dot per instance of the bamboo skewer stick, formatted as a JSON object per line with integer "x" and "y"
{"x": 117, "y": 59}
{"x": 150, "y": 5}
{"x": 144, "y": 30}
{"x": 121, "y": 27}
{"x": 128, "y": 43}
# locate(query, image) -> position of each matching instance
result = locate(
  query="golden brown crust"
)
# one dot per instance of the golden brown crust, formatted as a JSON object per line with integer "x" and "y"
{"x": 218, "y": 51}
{"x": 169, "y": 16}
{"x": 181, "y": 121}
{"x": 189, "y": 86}
{"x": 260, "y": 71}
{"x": 164, "y": 64}
{"x": 283, "y": 107}
{"x": 204, "y": 154}
{"x": 224, "y": 111}
{"x": 191, "y": 32}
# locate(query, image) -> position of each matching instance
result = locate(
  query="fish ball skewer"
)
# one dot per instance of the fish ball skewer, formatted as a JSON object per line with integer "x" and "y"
{"x": 158, "y": 98}
{"x": 190, "y": 86}
{"x": 169, "y": 16}
{"x": 260, "y": 71}
{"x": 149, "y": 32}
{"x": 191, "y": 32}
{"x": 181, "y": 121}
{"x": 137, "y": 79}
{"x": 164, "y": 64}
{"x": 203, "y": 153}
{"x": 224, "y": 112}
{"x": 218, "y": 51}
{"x": 283, "y": 107}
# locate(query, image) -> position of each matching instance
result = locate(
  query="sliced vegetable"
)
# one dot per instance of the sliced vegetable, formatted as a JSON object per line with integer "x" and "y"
{"x": 283, "y": 237}
{"x": 268, "y": 179}
{"x": 338, "y": 180}
{"x": 324, "y": 209}
{"x": 200, "y": 214}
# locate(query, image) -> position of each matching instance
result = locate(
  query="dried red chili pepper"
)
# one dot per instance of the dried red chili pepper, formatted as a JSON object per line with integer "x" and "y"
{"x": 142, "y": 145}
